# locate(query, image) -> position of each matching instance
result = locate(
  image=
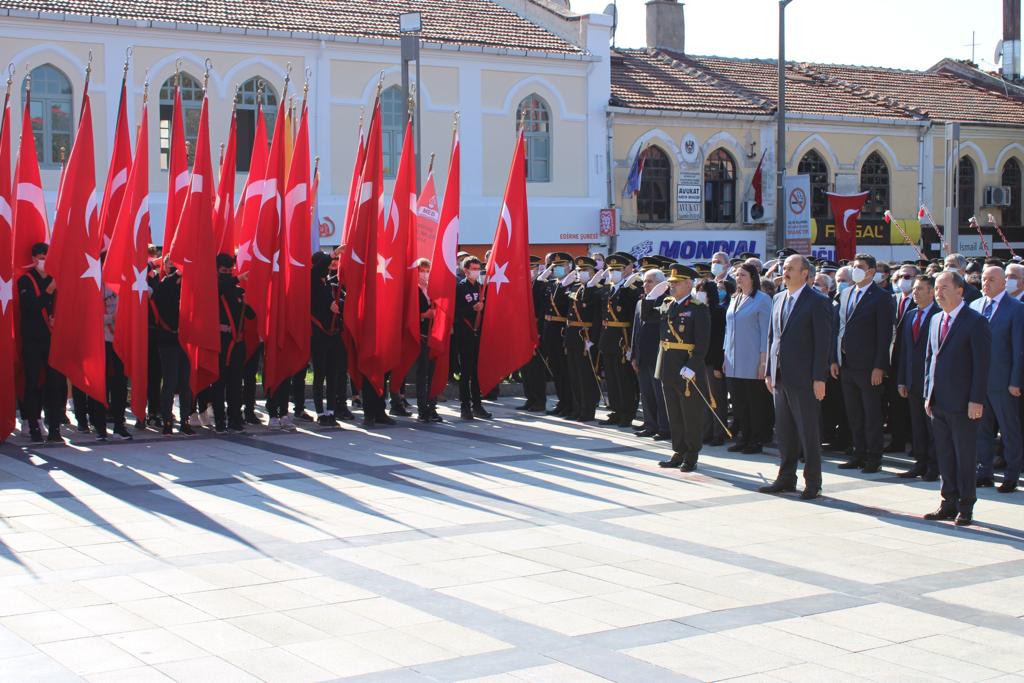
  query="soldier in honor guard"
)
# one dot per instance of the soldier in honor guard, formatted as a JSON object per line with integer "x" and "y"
{"x": 581, "y": 336}
{"x": 233, "y": 317}
{"x": 556, "y": 277}
{"x": 469, "y": 312}
{"x": 534, "y": 373}
{"x": 685, "y": 330}
{"x": 618, "y": 306}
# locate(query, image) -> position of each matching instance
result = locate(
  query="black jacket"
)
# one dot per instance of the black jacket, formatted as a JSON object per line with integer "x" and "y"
{"x": 36, "y": 306}
{"x": 647, "y": 331}
{"x": 166, "y": 302}
{"x": 715, "y": 358}
{"x": 467, "y": 294}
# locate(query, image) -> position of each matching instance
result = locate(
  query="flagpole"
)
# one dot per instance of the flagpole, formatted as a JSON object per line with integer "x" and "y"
{"x": 992, "y": 220}
{"x": 928, "y": 214}
{"x": 906, "y": 237}
{"x": 984, "y": 245}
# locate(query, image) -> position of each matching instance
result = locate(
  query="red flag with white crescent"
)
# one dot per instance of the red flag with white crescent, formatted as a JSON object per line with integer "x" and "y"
{"x": 8, "y": 347}
{"x": 177, "y": 173}
{"x": 444, "y": 272}
{"x": 248, "y": 211}
{"x": 846, "y": 209}
{"x": 224, "y": 204}
{"x": 29, "y": 210}
{"x": 117, "y": 173}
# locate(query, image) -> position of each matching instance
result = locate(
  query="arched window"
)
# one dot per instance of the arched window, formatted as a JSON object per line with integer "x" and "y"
{"x": 965, "y": 191}
{"x": 50, "y": 111}
{"x": 1012, "y": 178}
{"x": 814, "y": 166}
{"x": 392, "y": 118}
{"x": 191, "y": 104}
{"x": 654, "y": 201}
{"x": 250, "y": 96}
{"x": 719, "y": 188}
{"x": 874, "y": 179}
{"x": 537, "y": 137}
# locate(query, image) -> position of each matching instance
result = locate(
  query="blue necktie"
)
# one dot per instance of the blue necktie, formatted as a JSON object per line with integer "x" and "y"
{"x": 988, "y": 310}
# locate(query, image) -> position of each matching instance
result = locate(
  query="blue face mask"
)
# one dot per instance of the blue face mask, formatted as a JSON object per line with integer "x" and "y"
{"x": 559, "y": 271}
{"x": 722, "y": 295}
{"x": 843, "y": 286}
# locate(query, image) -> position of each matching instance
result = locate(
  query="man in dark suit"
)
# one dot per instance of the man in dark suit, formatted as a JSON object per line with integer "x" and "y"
{"x": 862, "y": 352}
{"x": 913, "y": 342}
{"x": 1005, "y": 316}
{"x": 897, "y": 413}
{"x": 799, "y": 341}
{"x": 956, "y": 378}
{"x": 644, "y": 355}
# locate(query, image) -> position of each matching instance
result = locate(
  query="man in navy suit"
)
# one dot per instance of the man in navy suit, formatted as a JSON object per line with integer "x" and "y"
{"x": 1005, "y": 316}
{"x": 956, "y": 379}
{"x": 799, "y": 343}
{"x": 910, "y": 377}
{"x": 898, "y": 412}
{"x": 862, "y": 358}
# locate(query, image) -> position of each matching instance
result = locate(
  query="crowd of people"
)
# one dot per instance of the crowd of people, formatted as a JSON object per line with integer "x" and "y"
{"x": 806, "y": 355}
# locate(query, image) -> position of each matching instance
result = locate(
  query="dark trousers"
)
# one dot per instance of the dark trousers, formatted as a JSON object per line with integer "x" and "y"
{"x": 922, "y": 442}
{"x": 1001, "y": 411}
{"x": 685, "y": 416}
{"x": 153, "y": 380}
{"x": 117, "y": 395}
{"x": 326, "y": 350}
{"x": 228, "y": 387}
{"x": 897, "y": 416}
{"x": 956, "y": 443}
{"x": 425, "y": 405}
{"x": 468, "y": 345}
{"x": 342, "y": 379}
{"x": 864, "y": 409}
{"x": 277, "y": 400}
{"x": 713, "y": 428}
{"x": 836, "y": 430}
{"x": 44, "y": 386}
{"x": 653, "y": 401}
{"x": 752, "y": 409}
{"x": 297, "y": 384}
{"x": 175, "y": 370}
{"x": 553, "y": 345}
{"x": 534, "y": 376}
{"x": 80, "y": 406}
{"x": 623, "y": 396}
{"x": 374, "y": 404}
{"x": 249, "y": 383}
{"x": 797, "y": 427}
{"x": 586, "y": 393}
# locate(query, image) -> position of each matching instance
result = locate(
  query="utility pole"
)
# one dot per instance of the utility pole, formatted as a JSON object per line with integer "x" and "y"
{"x": 780, "y": 136}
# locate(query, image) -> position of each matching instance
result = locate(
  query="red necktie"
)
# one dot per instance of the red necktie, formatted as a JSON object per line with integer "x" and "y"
{"x": 945, "y": 329}
{"x": 917, "y": 324}
{"x": 903, "y": 308}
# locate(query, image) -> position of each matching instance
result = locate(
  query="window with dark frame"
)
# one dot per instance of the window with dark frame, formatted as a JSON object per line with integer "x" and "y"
{"x": 814, "y": 166}
{"x": 246, "y": 119}
{"x": 965, "y": 191}
{"x": 719, "y": 187}
{"x": 874, "y": 179}
{"x": 654, "y": 200}
{"x": 392, "y": 118}
{"x": 51, "y": 113}
{"x": 1012, "y": 178}
{"x": 536, "y": 137}
{"x": 191, "y": 105}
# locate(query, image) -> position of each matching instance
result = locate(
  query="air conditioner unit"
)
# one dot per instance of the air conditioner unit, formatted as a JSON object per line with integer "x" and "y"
{"x": 752, "y": 213}
{"x": 997, "y": 195}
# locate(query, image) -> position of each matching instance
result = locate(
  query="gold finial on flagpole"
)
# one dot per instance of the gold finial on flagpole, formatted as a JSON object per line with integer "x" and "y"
{"x": 10, "y": 76}
{"x": 316, "y": 165}
{"x": 362, "y": 116}
{"x": 455, "y": 122}
{"x": 412, "y": 100}
{"x": 177, "y": 72}
{"x": 206, "y": 74}
{"x": 380, "y": 84}
{"x": 88, "y": 70}
{"x": 305, "y": 86}
{"x": 220, "y": 160}
{"x": 145, "y": 89}
{"x": 127, "y": 58}
{"x": 287, "y": 80}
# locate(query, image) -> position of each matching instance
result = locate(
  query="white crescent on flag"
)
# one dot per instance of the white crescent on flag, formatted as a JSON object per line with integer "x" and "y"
{"x": 181, "y": 182}
{"x": 450, "y": 245}
{"x": 5, "y": 212}
{"x": 139, "y": 215}
{"x": 364, "y": 193}
{"x": 33, "y": 194}
{"x": 268, "y": 191}
{"x": 197, "y": 183}
{"x": 507, "y": 219}
{"x": 120, "y": 179}
{"x": 295, "y": 198}
{"x": 846, "y": 217}
{"x": 90, "y": 209}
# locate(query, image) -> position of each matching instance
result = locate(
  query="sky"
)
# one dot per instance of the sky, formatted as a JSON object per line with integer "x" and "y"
{"x": 905, "y": 34}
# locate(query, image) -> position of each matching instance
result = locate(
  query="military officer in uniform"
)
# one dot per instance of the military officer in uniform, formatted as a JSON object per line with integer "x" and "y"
{"x": 581, "y": 336}
{"x": 556, "y": 278}
{"x": 534, "y": 373}
{"x": 618, "y": 305}
{"x": 685, "y": 329}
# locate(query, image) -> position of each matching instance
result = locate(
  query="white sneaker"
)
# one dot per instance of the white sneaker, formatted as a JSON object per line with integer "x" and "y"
{"x": 204, "y": 418}
{"x": 288, "y": 423}
{"x": 275, "y": 423}
{"x": 193, "y": 420}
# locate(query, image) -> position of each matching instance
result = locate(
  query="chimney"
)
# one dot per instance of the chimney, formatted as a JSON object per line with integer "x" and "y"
{"x": 1011, "y": 39}
{"x": 665, "y": 25}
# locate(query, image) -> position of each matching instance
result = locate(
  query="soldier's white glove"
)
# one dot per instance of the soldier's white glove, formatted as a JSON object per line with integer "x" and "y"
{"x": 687, "y": 374}
{"x": 596, "y": 279}
{"x": 629, "y": 355}
{"x": 588, "y": 345}
{"x": 545, "y": 274}
{"x": 631, "y": 279}
{"x": 658, "y": 290}
{"x": 570, "y": 278}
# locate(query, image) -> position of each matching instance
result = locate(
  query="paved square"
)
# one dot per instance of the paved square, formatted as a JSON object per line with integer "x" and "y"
{"x": 518, "y": 549}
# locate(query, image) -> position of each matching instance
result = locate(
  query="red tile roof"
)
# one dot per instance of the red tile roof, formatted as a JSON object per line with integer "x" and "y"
{"x": 480, "y": 23}
{"x": 662, "y": 80}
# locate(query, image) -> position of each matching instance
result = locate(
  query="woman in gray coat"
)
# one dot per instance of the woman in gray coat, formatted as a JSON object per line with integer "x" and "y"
{"x": 746, "y": 352}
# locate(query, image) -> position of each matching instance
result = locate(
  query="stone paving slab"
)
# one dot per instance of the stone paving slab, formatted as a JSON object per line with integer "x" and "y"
{"x": 522, "y": 548}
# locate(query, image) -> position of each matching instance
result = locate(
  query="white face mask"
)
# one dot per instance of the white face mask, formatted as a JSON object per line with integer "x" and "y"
{"x": 951, "y": 269}
{"x": 858, "y": 275}
{"x": 1012, "y": 284}
{"x": 41, "y": 265}
{"x": 717, "y": 269}
{"x": 473, "y": 275}
{"x": 906, "y": 286}
{"x": 615, "y": 276}
{"x": 424, "y": 277}
{"x": 702, "y": 297}
{"x": 584, "y": 276}
{"x": 877, "y": 277}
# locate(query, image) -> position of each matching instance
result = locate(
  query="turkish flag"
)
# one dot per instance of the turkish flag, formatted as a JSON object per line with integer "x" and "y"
{"x": 248, "y": 212}
{"x": 8, "y": 397}
{"x": 194, "y": 252}
{"x": 509, "y": 334}
{"x": 846, "y": 210}
{"x": 360, "y": 255}
{"x": 126, "y": 267}
{"x": 224, "y": 205}
{"x": 444, "y": 271}
{"x": 77, "y": 349}
{"x": 427, "y": 217}
{"x": 117, "y": 173}
{"x": 347, "y": 267}
{"x": 177, "y": 174}
{"x": 29, "y": 215}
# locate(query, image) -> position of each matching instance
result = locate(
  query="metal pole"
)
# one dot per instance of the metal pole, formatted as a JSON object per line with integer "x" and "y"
{"x": 780, "y": 135}
{"x": 419, "y": 97}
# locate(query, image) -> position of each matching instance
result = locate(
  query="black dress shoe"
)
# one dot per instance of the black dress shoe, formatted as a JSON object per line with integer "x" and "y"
{"x": 964, "y": 519}
{"x": 344, "y": 414}
{"x": 662, "y": 437}
{"x": 398, "y": 410}
{"x": 851, "y": 465}
{"x": 1007, "y": 487}
{"x": 810, "y": 494}
{"x": 645, "y": 432}
{"x": 736, "y": 448}
{"x": 870, "y": 469}
{"x": 612, "y": 419}
{"x": 778, "y": 487}
{"x": 941, "y": 515}
{"x": 385, "y": 420}
{"x": 985, "y": 482}
{"x": 930, "y": 475}
{"x": 423, "y": 418}
{"x": 586, "y": 418}
{"x": 689, "y": 466}
{"x": 753, "y": 449}
{"x": 252, "y": 419}
{"x": 676, "y": 461}
{"x": 716, "y": 442}
{"x": 186, "y": 428}
{"x": 36, "y": 435}
{"x": 369, "y": 422}
{"x": 912, "y": 473}
{"x": 434, "y": 417}
{"x": 467, "y": 414}
{"x": 999, "y": 463}
{"x": 478, "y": 411}
{"x": 168, "y": 428}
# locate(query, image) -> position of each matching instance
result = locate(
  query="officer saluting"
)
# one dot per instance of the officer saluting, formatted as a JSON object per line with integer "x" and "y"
{"x": 685, "y": 328}
{"x": 556, "y": 278}
{"x": 581, "y": 335}
{"x": 618, "y": 306}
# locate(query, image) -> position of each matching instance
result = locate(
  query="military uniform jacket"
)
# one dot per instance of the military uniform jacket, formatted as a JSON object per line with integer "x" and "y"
{"x": 321, "y": 296}
{"x": 555, "y": 307}
{"x": 684, "y": 322}
{"x": 646, "y": 331}
{"x": 35, "y": 305}
{"x": 467, "y": 295}
{"x": 617, "y": 307}
{"x": 585, "y": 311}
{"x": 165, "y": 304}
{"x": 539, "y": 290}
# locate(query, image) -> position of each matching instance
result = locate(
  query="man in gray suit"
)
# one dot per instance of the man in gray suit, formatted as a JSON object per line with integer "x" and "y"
{"x": 799, "y": 344}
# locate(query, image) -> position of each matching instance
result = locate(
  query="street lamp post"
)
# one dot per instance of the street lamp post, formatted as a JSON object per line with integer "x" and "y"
{"x": 409, "y": 26}
{"x": 780, "y": 136}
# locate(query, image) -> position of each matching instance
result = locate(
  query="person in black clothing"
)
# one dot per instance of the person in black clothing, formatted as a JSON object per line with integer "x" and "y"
{"x": 341, "y": 410}
{"x": 581, "y": 336}
{"x": 556, "y": 278}
{"x": 714, "y": 433}
{"x": 617, "y": 308}
{"x": 173, "y": 362}
{"x": 426, "y": 407}
{"x": 469, "y": 311}
{"x": 534, "y": 373}
{"x": 325, "y": 341}
{"x": 232, "y": 348}
{"x": 154, "y": 378}
{"x": 644, "y": 352}
{"x": 44, "y": 386}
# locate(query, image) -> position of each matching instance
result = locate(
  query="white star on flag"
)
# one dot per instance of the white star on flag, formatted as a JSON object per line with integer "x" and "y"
{"x": 92, "y": 272}
{"x": 382, "y": 268}
{"x": 6, "y": 294}
{"x": 140, "y": 285}
{"x": 243, "y": 254}
{"x": 499, "y": 278}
